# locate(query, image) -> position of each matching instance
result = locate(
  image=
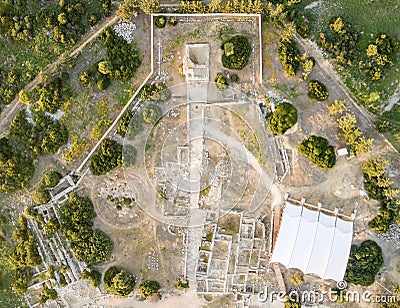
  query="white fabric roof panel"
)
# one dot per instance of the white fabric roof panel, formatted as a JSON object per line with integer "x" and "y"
{"x": 324, "y": 237}
{"x": 313, "y": 242}
{"x": 285, "y": 243}
{"x": 304, "y": 244}
{"x": 341, "y": 247}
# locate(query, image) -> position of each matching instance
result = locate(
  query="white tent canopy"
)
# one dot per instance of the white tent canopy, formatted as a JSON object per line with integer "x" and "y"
{"x": 313, "y": 242}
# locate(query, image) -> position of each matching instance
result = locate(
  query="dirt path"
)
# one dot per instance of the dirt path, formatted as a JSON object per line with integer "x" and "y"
{"x": 15, "y": 106}
{"x": 330, "y": 71}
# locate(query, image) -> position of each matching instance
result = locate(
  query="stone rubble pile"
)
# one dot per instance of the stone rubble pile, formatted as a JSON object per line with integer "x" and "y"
{"x": 125, "y": 30}
{"x": 393, "y": 235}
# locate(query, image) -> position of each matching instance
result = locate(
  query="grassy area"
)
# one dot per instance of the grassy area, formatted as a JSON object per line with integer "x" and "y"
{"x": 29, "y": 54}
{"x": 32, "y": 56}
{"x": 7, "y": 297}
{"x": 370, "y": 17}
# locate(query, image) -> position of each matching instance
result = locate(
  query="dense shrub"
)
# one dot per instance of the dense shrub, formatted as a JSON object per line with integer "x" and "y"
{"x": 51, "y": 178}
{"x": 340, "y": 40}
{"x": 302, "y": 27}
{"x": 46, "y": 136}
{"x": 26, "y": 252}
{"x": 317, "y": 90}
{"x": 160, "y": 21}
{"x": 155, "y": 92}
{"x": 236, "y": 52}
{"x": 94, "y": 277}
{"x": 221, "y": 81}
{"x": 41, "y": 195}
{"x": 364, "y": 263}
{"x": 47, "y": 294}
{"x": 289, "y": 56}
{"x": 381, "y": 223}
{"x": 318, "y": 151}
{"x": 123, "y": 56}
{"x": 51, "y": 95}
{"x": 378, "y": 186}
{"x": 123, "y": 124}
{"x": 21, "y": 280}
{"x": 283, "y": 118}
{"x": 16, "y": 21}
{"x": 89, "y": 245}
{"x": 51, "y": 226}
{"x": 181, "y": 285}
{"x": 118, "y": 282}
{"x": 172, "y": 21}
{"x": 17, "y": 168}
{"x": 108, "y": 157}
{"x": 383, "y": 126}
{"x": 380, "y": 54}
{"x": 148, "y": 287}
{"x": 352, "y": 135}
{"x": 103, "y": 83}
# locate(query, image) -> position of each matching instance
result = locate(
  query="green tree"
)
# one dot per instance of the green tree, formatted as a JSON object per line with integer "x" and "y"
{"x": 123, "y": 56}
{"x": 283, "y": 118}
{"x": 104, "y": 67}
{"x": 317, "y": 90}
{"x": 25, "y": 252}
{"x": 128, "y": 9}
{"x": 289, "y": 56}
{"x": 160, "y": 21}
{"x": 41, "y": 195}
{"x": 91, "y": 246}
{"x": 25, "y": 97}
{"x": 51, "y": 226}
{"x": 150, "y": 6}
{"x": 109, "y": 157}
{"x": 148, "y": 287}
{"x": 374, "y": 167}
{"x": 135, "y": 126}
{"x": 364, "y": 263}
{"x": 236, "y": 53}
{"x": 103, "y": 83}
{"x": 221, "y": 82}
{"x": 51, "y": 178}
{"x": 94, "y": 277}
{"x": 318, "y": 151}
{"x": 119, "y": 282}
{"x": 337, "y": 107}
{"x": 129, "y": 156}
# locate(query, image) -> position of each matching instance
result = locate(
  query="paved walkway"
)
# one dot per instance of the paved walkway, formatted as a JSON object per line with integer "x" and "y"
{"x": 197, "y": 219}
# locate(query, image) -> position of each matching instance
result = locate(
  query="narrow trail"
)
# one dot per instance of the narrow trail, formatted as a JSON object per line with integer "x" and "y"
{"x": 15, "y": 106}
{"x": 330, "y": 71}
